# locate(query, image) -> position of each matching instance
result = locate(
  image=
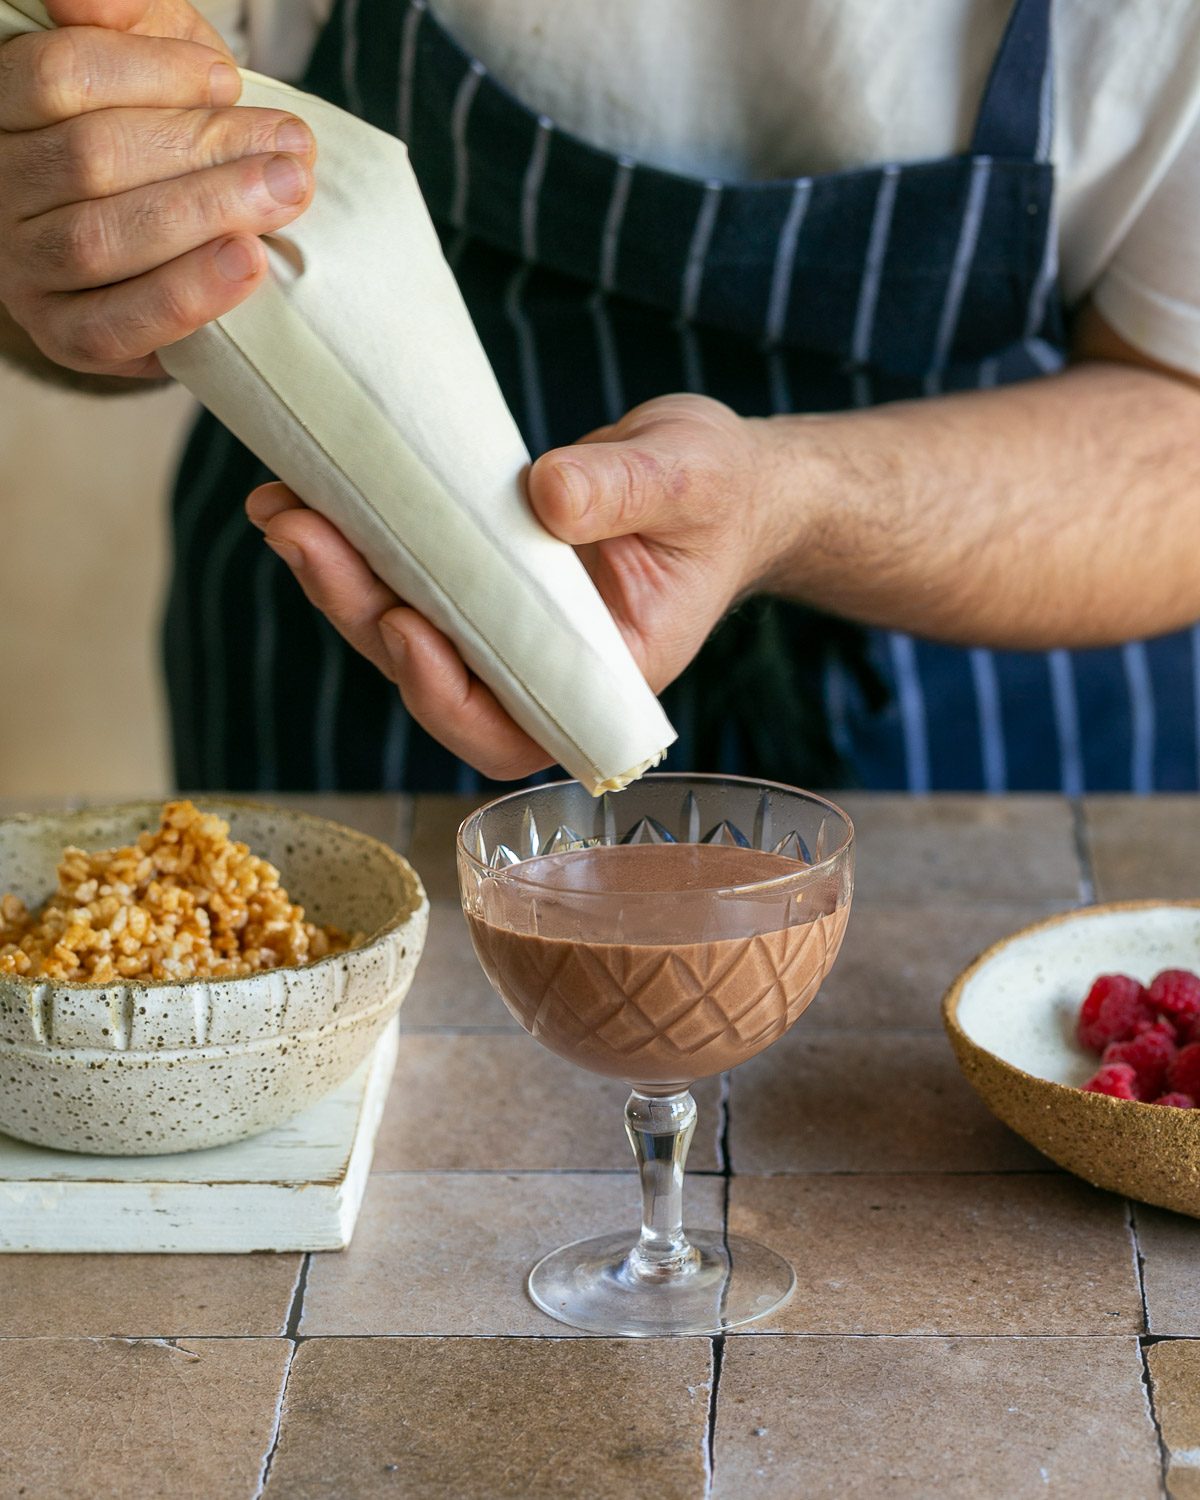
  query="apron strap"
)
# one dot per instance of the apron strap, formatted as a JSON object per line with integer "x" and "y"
{"x": 1015, "y": 117}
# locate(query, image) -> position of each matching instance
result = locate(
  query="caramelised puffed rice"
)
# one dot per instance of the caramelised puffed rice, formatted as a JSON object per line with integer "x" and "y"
{"x": 184, "y": 902}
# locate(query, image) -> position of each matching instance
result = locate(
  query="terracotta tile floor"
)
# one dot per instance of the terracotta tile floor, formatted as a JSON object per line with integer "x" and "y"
{"x": 968, "y": 1320}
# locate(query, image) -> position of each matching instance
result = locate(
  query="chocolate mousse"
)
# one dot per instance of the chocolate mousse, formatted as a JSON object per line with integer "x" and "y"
{"x": 658, "y": 963}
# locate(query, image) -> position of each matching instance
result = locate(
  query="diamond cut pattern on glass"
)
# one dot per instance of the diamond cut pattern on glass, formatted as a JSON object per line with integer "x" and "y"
{"x": 529, "y": 842}
{"x": 706, "y": 1000}
{"x": 683, "y": 1011}
{"x": 648, "y": 831}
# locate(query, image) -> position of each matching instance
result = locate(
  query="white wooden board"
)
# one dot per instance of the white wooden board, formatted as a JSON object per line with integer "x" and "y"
{"x": 295, "y": 1188}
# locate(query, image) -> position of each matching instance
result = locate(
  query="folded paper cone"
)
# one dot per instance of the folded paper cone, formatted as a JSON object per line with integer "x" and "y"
{"x": 356, "y": 375}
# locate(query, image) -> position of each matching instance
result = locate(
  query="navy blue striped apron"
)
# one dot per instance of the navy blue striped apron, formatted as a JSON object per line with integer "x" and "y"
{"x": 597, "y": 282}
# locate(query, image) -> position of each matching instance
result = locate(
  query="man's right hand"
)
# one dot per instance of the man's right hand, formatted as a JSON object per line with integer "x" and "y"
{"x": 131, "y": 192}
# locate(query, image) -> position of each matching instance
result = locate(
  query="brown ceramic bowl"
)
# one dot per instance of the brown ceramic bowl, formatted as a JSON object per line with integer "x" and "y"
{"x": 1011, "y": 1021}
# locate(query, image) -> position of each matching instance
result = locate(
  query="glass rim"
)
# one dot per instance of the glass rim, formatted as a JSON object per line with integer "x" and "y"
{"x": 807, "y": 873}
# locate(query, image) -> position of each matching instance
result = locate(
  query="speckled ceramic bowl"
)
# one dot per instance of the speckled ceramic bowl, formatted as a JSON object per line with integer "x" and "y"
{"x": 1011, "y": 1019}
{"x": 138, "y": 1069}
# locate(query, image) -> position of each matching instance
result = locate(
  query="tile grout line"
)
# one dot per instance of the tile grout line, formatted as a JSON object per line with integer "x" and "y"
{"x": 1139, "y": 1262}
{"x": 291, "y": 1329}
{"x": 1083, "y": 853}
{"x": 277, "y": 1426}
{"x": 1147, "y": 1381}
{"x": 1050, "y": 1171}
{"x": 545, "y": 1338}
{"x": 717, "y": 1355}
{"x": 291, "y": 1332}
{"x": 717, "y": 1351}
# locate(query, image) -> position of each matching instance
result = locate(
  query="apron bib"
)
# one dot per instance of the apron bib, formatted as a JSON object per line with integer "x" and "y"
{"x": 597, "y": 282}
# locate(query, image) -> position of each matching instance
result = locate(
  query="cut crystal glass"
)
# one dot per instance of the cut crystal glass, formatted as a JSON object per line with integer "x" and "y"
{"x": 660, "y": 987}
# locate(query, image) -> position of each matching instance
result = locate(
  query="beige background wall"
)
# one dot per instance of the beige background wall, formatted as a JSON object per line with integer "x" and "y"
{"x": 83, "y": 505}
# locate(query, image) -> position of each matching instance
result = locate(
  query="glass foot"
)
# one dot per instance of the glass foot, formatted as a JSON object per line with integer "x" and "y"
{"x": 594, "y": 1285}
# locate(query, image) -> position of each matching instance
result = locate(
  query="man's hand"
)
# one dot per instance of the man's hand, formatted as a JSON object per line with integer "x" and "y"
{"x": 131, "y": 193}
{"x": 1053, "y": 513}
{"x": 671, "y": 511}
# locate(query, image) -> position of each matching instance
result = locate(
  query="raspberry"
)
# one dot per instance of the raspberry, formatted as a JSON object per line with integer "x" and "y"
{"x": 1182, "y": 1032}
{"x": 1177, "y": 1101}
{"x": 1149, "y": 1054}
{"x": 1184, "y": 1073}
{"x": 1115, "y": 1009}
{"x": 1117, "y": 1080}
{"x": 1176, "y": 993}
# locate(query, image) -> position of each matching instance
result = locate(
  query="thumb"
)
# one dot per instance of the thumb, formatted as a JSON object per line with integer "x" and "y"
{"x": 166, "y": 18}
{"x": 596, "y": 490}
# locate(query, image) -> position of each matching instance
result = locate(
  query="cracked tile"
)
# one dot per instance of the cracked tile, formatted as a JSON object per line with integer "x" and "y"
{"x": 145, "y": 1296}
{"x": 865, "y": 1101}
{"x": 952, "y": 849}
{"x": 1143, "y": 847}
{"x": 142, "y": 1420}
{"x": 955, "y": 1254}
{"x": 1175, "y": 1374}
{"x": 450, "y": 1253}
{"x": 1170, "y": 1247}
{"x": 502, "y": 1101}
{"x": 898, "y": 960}
{"x": 484, "y": 1419}
{"x": 911, "y": 1418}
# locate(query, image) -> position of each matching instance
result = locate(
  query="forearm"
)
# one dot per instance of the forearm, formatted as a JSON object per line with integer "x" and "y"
{"x": 1059, "y": 512}
{"x": 17, "y": 348}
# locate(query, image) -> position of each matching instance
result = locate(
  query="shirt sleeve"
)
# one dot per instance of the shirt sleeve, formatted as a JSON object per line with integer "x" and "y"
{"x": 1150, "y": 289}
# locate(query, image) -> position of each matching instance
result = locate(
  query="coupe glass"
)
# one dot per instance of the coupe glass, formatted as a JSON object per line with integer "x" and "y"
{"x": 658, "y": 987}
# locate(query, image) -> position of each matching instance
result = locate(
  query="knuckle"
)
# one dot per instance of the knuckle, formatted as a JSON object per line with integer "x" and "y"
{"x": 224, "y": 135}
{"x": 640, "y": 475}
{"x": 212, "y": 132}
{"x": 90, "y": 155}
{"x": 180, "y": 209}
{"x": 72, "y": 245}
{"x": 60, "y": 79}
{"x": 175, "y": 311}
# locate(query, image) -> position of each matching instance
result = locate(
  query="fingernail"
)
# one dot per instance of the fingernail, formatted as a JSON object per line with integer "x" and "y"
{"x": 224, "y": 84}
{"x": 294, "y": 137}
{"x": 237, "y": 261}
{"x": 577, "y": 486}
{"x": 286, "y": 179}
{"x": 291, "y": 554}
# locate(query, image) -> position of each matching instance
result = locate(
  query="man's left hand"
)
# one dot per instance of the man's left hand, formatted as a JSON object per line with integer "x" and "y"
{"x": 671, "y": 512}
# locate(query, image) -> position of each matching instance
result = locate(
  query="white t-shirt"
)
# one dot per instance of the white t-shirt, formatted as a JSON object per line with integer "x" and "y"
{"x": 743, "y": 89}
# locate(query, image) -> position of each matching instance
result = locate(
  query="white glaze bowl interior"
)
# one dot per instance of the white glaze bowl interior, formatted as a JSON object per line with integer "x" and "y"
{"x": 1022, "y": 1003}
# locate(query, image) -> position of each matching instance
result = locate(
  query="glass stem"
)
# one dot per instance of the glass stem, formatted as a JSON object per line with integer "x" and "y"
{"x": 660, "y": 1131}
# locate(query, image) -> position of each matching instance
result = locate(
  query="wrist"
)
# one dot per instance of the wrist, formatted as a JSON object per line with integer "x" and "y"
{"x": 797, "y": 482}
